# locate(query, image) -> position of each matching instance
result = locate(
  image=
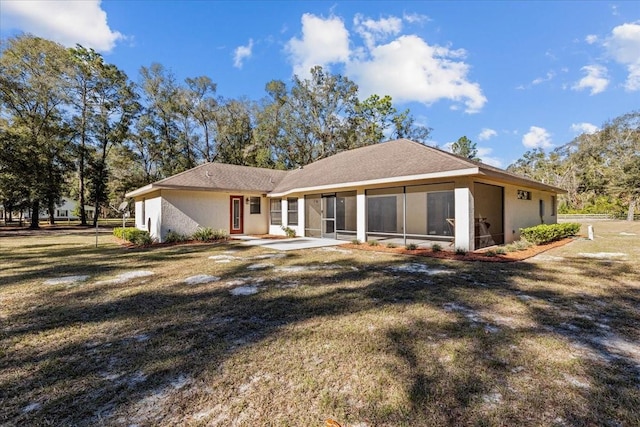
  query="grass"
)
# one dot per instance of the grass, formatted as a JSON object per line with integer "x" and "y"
{"x": 365, "y": 338}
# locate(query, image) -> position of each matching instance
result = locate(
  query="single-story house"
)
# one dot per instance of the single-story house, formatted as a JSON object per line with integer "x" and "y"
{"x": 399, "y": 191}
{"x": 65, "y": 210}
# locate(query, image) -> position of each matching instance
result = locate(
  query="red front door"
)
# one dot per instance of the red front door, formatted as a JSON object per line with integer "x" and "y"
{"x": 236, "y": 215}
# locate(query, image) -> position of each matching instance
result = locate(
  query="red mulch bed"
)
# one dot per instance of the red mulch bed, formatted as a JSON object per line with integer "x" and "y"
{"x": 470, "y": 256}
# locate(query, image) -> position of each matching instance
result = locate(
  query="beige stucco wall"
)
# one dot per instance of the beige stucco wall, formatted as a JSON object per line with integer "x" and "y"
{"x": 525, "y": 213}
{"x": 185, "y": 211}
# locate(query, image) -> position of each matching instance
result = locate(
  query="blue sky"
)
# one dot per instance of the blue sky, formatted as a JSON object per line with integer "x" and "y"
{"x": 511, "y": 76}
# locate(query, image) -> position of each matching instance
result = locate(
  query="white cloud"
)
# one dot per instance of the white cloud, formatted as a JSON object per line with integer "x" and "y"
{"x": 550, "y": 75}
{"x": 323, "y": 42}
{"x": 241, "y": 53}
{"x": 373, "y": 31}
{"x": 624, "y": 46}
{"x": 537, "y": 137}
{"x": 580, "y": 128}
{"x": 484, "y": 155}
{"x": 486, "y": 133}
{"x": 409, "y": 69}
{"x": 414, "y": 18}
{"x": 591, "y": 39}
{"x": 66, "y": 22}
{"x": 596, "y": 79}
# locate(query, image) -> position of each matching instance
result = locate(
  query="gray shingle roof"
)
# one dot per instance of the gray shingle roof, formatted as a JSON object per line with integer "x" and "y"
{"x": 392, "y": 159}
{"x": 220, "y": 176}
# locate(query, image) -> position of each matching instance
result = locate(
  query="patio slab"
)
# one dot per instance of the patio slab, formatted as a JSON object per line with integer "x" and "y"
{"x": 290, "y": 244}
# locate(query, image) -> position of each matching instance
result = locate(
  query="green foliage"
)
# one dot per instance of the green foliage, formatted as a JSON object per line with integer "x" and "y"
{"x": 208, "y": 234}
{"x": 392, "y": 245}
{"x": 461, "y": 251}
{"x": 133, "y": 235}
{"x": 290, "y": 232}
{"x": 373, "y": 243}
{"x": 491, "y": 253}
{"x": 500, "y": 250}
{"x": 174, "y": 237}
{"x": 545, "y": 233}
{"x": 356, "y": 242}
{"x": 465, "y": 148}
{"x": 436, "y": 247}
{"x": 518, "y": 245}
{"x": 411, "y": 246}
{"x": 600, "y": 171}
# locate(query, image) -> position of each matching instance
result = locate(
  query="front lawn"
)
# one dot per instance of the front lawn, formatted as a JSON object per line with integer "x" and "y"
{"x": 223, "y": 334}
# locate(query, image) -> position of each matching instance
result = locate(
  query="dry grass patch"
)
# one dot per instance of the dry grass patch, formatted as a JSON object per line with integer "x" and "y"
{"x": 361, "y": 337}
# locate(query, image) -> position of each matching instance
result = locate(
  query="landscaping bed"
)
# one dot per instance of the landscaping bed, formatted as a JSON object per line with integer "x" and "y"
{"x": 479, "y": 255}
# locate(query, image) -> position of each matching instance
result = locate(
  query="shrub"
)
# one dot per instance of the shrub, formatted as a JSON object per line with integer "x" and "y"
{"x": 411, "y": 247}
{"x": 436, "y": 247}
{"x": 290, "y": 232}
{"x": 133, "y": 235}
{"x": 461, "y": 251}
{"x": 208, "y": 234}
{"x": 356, "y": 242}
{"x": 491, "y": 253}
{"x": 220, "y": 234}
{"x": 203, "y": 234}
{"x": 373, "y": 243}
{"x": 174, "y": 237}
{"x": 392, "y": 245}
{"x": 140, "y": 237}
{"x": 500, "y": 251}
{"x": 546, "y": 233}
{"x": 521, "y": 245}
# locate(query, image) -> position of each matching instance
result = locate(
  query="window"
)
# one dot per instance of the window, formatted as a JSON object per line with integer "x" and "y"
{"x": 254, "y": 205}
{"x": 554, "y": 208}
{"x": 541, "y": 208}
{"x": 62, "y": 213}
{"x": 524, "y": 195}
{"x": 292, "y": 211}
{"x": 144, "y": 202}
{"x": 275, "y": 211}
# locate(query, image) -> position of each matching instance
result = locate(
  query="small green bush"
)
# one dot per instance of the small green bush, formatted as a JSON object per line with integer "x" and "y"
{"x": 411, "y": 247}
{"x": 373, "y": 243}
{"x": 208, "y": 234}
{"x": 290, "y": 232}
{"x": 491, "y": 253}
{"x": 521, "y": 245}
{"x": 174, "y": 237}
{"x": 392, "y": 245}
{"x": 220, "y": 234}
{"x": 133, "y": 235}
{"x": 356, "y": 242}
{"x": 436, "y": 247}
{"x": 461, "y": 251}
{"x": 140, "y": 238}
{"x": 546, "y": 233}
{"x": 500, "y": 250}
{"x": 203, "y": 234}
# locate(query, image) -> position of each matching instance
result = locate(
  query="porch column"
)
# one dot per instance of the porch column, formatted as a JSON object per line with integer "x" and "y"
{"x": 361, "y": 216}
{"x": 301, "y": 217}
{"x": 284, "y": 206}
{"x": 464, "y": 238}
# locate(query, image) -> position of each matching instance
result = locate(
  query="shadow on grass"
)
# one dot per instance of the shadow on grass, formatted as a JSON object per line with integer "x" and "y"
{"x": 460, "y": 371}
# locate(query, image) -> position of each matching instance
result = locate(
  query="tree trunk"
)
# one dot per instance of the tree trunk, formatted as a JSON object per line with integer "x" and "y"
{"x": 52, "y": 210}
{"x": 35, "y": 213}
{"x": 83, "y": 213}
{"x": 632, "y": 210}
